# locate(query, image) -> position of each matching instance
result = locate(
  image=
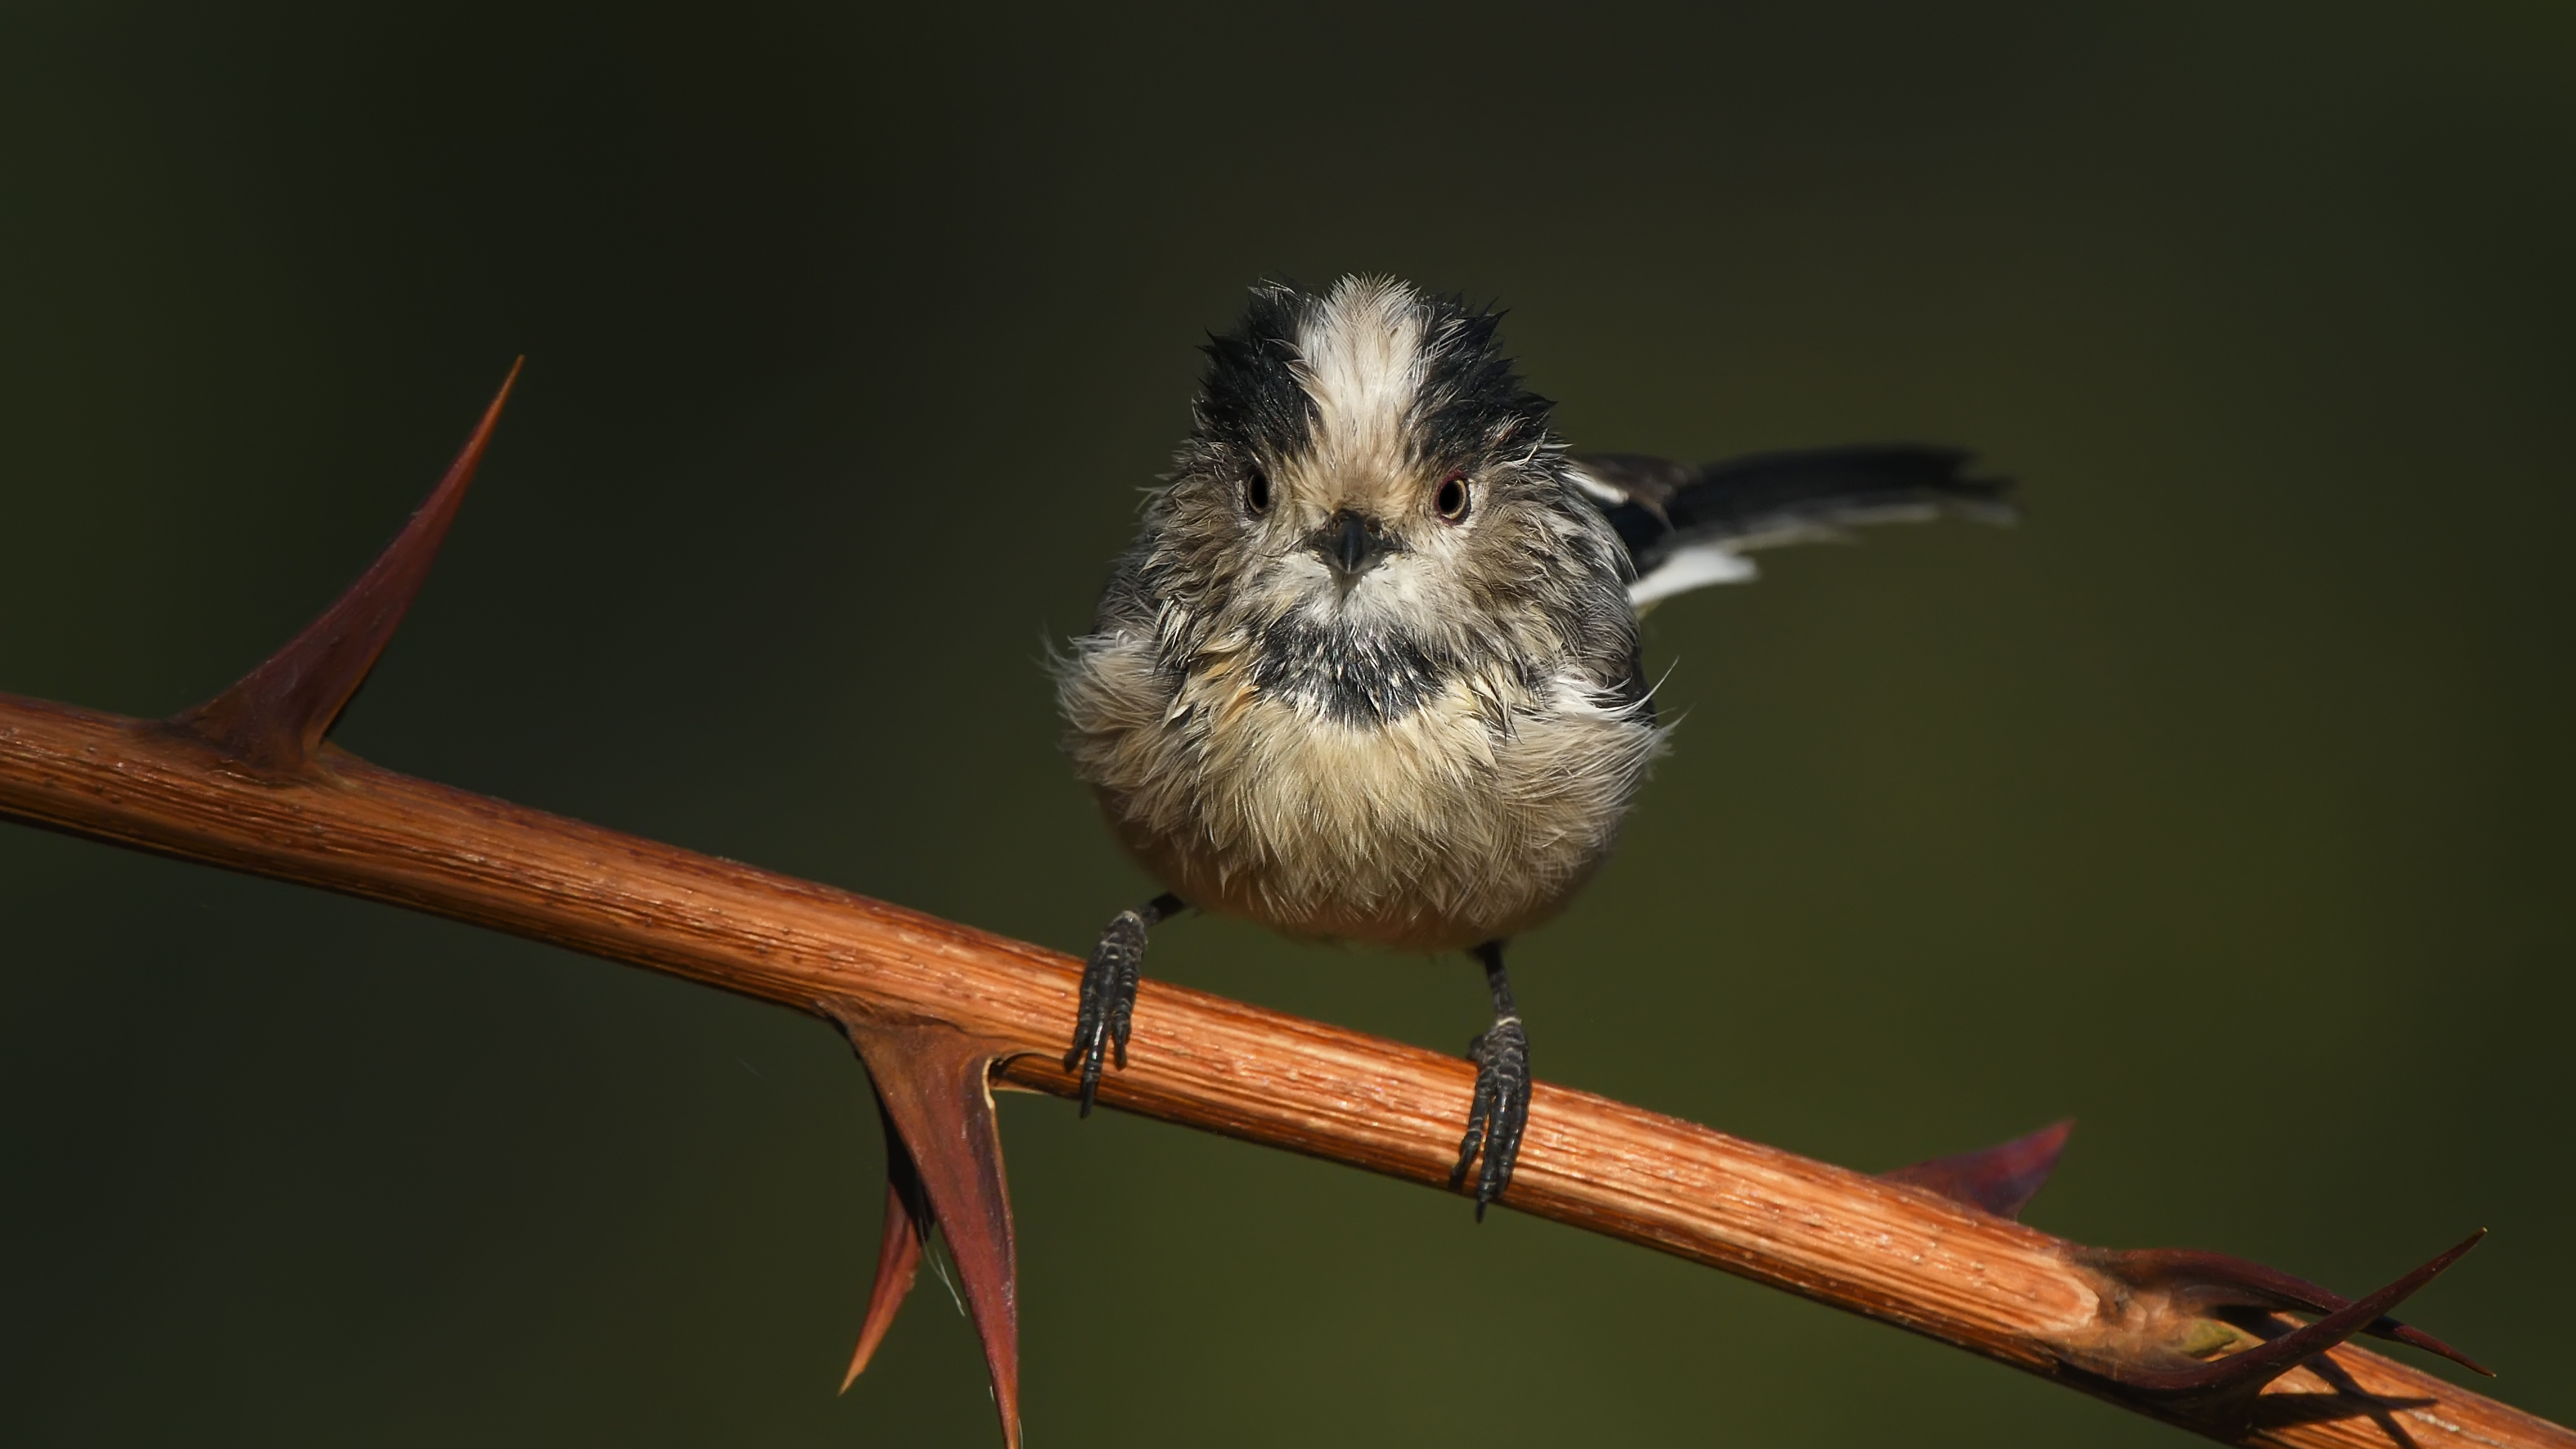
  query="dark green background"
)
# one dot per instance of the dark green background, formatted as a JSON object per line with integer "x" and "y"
{"x": 2223, "y": 806}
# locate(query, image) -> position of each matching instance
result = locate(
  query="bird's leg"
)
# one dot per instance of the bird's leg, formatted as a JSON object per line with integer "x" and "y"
{"x": 1109, "y": 991}
{"x": 1501, "y": 1108}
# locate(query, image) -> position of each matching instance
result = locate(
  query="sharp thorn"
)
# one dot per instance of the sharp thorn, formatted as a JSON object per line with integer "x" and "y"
{"x": 2396, "y": 1332}
{"x": 907, "y": 1227}
{"x": 2214, "y": 1280}
{"x": 935, "y": 1087}
{"x": 2228, "y": 1386}
{"x": 275, "y": 717}
{"x": 2001, "y": 1179}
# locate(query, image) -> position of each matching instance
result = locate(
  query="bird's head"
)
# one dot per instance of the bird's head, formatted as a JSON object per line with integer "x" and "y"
{"x": 1366, "y": 459}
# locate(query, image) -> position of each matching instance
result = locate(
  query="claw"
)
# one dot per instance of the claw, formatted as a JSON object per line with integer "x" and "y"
{"x": 934, "y": 1086}
{"x": 2001, "y": 1179}
{"x": 1498, "y": 1114}
{"x": 1108, "y": 1011}
{"x": 2200, "y": 1285}
{"x": 1122, "y": 997}
{"x": 274, "y": 717}
{"x": 1479, "y": 1107}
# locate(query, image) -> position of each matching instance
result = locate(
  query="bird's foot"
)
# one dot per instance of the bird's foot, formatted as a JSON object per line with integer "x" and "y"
{"x": 1109, "y": 994}
{"x": 1499, "y": 1113}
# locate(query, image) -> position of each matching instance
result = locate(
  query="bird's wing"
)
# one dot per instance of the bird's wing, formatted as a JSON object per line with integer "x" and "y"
{"x": 1687, "y": 526}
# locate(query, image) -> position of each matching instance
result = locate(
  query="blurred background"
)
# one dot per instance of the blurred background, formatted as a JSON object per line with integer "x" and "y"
{"x": 2222, "y": 806}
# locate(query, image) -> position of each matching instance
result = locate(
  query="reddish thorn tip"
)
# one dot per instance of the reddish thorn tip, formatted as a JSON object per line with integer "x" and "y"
{"x": 899, "y": 1248}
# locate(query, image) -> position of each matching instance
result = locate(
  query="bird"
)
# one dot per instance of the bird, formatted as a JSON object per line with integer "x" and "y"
{"x": 1370, "y": 672}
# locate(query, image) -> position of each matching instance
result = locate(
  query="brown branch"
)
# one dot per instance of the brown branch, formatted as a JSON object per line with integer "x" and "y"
{"x": 940, "y": 1010}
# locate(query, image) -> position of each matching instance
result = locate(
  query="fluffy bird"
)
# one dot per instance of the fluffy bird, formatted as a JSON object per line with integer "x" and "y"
{"x": 1370, "y": 671}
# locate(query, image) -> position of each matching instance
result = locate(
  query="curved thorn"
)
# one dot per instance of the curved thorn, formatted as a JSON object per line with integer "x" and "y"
{"x": 907, "y": 1226}
{"x": 275, "y": 716}
{"x": 2001, "y": 1179}
{"x": 2216, "y": 1280}
{"x": 2272, "y": 1288}
{"x": 935, "y": 1087}
{"x": 2231, "y": 1383}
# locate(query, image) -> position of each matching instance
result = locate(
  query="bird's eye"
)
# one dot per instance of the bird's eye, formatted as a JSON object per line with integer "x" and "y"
{"x": 1256, "y": 493}
{"x": 1451, "y": 501}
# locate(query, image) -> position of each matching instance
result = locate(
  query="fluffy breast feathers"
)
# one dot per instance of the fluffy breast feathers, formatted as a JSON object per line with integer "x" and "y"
{"x": 1469, "y": 819}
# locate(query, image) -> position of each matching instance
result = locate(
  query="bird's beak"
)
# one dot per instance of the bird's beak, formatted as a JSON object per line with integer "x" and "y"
{"x": 1352, "y": 544}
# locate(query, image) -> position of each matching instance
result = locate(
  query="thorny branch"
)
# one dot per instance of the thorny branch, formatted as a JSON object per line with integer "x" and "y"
{"x": 941, "y": 1013}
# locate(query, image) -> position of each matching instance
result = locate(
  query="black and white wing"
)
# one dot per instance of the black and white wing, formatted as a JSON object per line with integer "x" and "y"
{"x": 1690, "y": 525}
